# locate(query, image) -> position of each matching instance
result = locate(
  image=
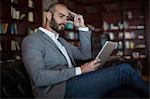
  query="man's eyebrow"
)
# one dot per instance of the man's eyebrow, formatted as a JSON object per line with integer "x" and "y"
{"x": 63, "y": 14}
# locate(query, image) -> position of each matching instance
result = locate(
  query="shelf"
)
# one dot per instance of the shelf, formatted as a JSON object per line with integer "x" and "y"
{"x": 5, "y": 1}
{"x": 17, "y": 35}
{"x": 17, "y": 51}
{"x": 117, "y": 40}
{"x": 118, "y": 49}
{"x": 4, "y": 51}
{"x": 18, "y": 20}
{"x": 133, "y": 4}
{"x": 34, "y": 9}
{"x": 4, "y": 34}
{"x": 113, "y": 30}
{"x": 134, "y": 49}
{"x": 4, "y": 19}
{"x": 135, "y": 39}
{"x": 133, "y": 29}
{"x": 18, "y": 5}
{"x": 69, "y": 40}
{"x": 135, "y": 59}
{"x": 17, "y": 28}
{"x": 127, "y": 9}
{"x": 33, "y": 23}
{"x": 135, "y": 19}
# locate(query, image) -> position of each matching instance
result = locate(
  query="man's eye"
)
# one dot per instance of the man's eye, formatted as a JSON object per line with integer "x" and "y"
{"x": 61, "y": 16}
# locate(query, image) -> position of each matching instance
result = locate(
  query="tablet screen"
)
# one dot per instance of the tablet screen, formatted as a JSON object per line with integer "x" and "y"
{"x": 106, "y": 50}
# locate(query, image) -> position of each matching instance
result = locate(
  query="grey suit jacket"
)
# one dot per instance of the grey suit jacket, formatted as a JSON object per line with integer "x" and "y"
{"x": 46, "y": 65}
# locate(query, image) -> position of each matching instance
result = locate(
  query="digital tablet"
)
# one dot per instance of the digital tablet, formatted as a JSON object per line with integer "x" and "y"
{"x": 105, "y": 52}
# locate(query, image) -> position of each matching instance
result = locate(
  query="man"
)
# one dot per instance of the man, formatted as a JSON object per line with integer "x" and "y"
{"x": 49, "y": 60}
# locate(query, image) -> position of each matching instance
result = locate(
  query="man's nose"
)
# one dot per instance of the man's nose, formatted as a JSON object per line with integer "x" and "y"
{"x": 65, "y": 21}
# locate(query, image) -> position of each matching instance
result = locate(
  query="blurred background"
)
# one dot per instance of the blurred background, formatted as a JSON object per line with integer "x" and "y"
{"x": 126, "y": 22}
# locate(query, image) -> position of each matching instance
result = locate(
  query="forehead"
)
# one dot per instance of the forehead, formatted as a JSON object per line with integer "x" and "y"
{"x": 62, "y": 9}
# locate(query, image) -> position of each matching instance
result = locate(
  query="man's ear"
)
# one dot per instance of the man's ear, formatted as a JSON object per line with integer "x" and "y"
{"x": 48, "y": 15}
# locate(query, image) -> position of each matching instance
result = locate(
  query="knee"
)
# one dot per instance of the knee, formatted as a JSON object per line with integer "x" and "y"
{"x": 125, "y": 67}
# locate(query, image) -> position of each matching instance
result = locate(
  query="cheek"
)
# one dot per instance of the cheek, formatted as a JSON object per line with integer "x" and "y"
{"x": 59, "y": 21}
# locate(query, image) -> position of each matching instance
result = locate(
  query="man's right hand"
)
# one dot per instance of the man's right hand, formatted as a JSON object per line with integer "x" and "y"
{"x": 78, "y": 19}
{"x": 91, "y": 66}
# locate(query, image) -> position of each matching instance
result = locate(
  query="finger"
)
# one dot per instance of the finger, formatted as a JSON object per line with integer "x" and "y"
{"x": 95, "y": 61}
{"x": 98, "y": 64}
{"x": 95, "y": 68}
{"x": 72, "y": 13}
{"x": 98, "y": 60}
{"x": 80, "y": 17}
{"x": 76, "y": 21}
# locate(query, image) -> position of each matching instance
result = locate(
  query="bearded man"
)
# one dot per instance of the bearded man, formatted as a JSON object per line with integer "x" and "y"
{"x": 50, "y": 62}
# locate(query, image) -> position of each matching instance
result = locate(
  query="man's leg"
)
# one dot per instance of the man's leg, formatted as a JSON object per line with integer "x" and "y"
{"x": 96, "y": 84}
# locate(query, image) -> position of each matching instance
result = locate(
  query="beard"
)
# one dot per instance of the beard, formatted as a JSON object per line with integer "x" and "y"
{"x": 57, "y": 27}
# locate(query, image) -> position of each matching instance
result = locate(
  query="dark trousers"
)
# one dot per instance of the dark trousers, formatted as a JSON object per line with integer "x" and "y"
{"x": 98, "y": 83}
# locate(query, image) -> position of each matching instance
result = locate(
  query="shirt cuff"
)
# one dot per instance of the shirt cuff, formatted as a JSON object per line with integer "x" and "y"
{"x": 83, "y": 29}
{"x": 78, "y": 70}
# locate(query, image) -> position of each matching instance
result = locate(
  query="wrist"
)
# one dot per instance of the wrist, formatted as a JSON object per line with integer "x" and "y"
{"x": 83, "y": 28}
{"x": 78, "y": 70}
{"x": 82, "y": 68}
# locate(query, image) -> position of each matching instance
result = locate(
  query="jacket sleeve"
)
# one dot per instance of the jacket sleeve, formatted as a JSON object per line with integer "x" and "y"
{"x": 33, "y": 61}
{"x": 82, "y": 52}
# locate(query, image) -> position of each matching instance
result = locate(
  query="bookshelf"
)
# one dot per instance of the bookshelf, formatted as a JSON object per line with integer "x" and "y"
{"x": 72, "y": 37}
{"x": 126, "y": 22}
{"x": 18, "y": 19}
{"x": 71, "y": 33}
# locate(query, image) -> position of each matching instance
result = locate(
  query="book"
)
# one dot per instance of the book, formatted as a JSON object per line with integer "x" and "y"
{"x": 4, "y": 27}
{"x": 0, "y": 47}
{"x": 13, "y": 45}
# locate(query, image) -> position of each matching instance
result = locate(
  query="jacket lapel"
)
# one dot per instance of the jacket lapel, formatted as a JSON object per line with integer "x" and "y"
{"x": 69, "y": 52}
{"x": 51, "y": 42}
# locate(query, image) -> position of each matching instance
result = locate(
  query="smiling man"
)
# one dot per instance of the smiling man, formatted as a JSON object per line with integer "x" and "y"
{"x": 49, "y": 61}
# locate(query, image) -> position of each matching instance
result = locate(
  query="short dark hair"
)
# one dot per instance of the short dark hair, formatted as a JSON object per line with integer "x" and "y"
{"x": 51, "y": 8}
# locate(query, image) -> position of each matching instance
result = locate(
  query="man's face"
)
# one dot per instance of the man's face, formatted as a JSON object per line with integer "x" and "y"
{"x": 59, "y": 18}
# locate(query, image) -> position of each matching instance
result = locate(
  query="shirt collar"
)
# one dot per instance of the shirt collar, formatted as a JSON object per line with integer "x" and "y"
{"x": 49, "y": 33}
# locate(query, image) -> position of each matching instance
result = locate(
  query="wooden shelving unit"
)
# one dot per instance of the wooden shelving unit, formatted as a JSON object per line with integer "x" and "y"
{"x": 18, "y": 19}
{"x": 125, "y": 24}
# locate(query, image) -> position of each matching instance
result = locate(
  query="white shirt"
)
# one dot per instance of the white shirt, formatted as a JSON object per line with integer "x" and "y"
{"x": 54, "y": 37}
